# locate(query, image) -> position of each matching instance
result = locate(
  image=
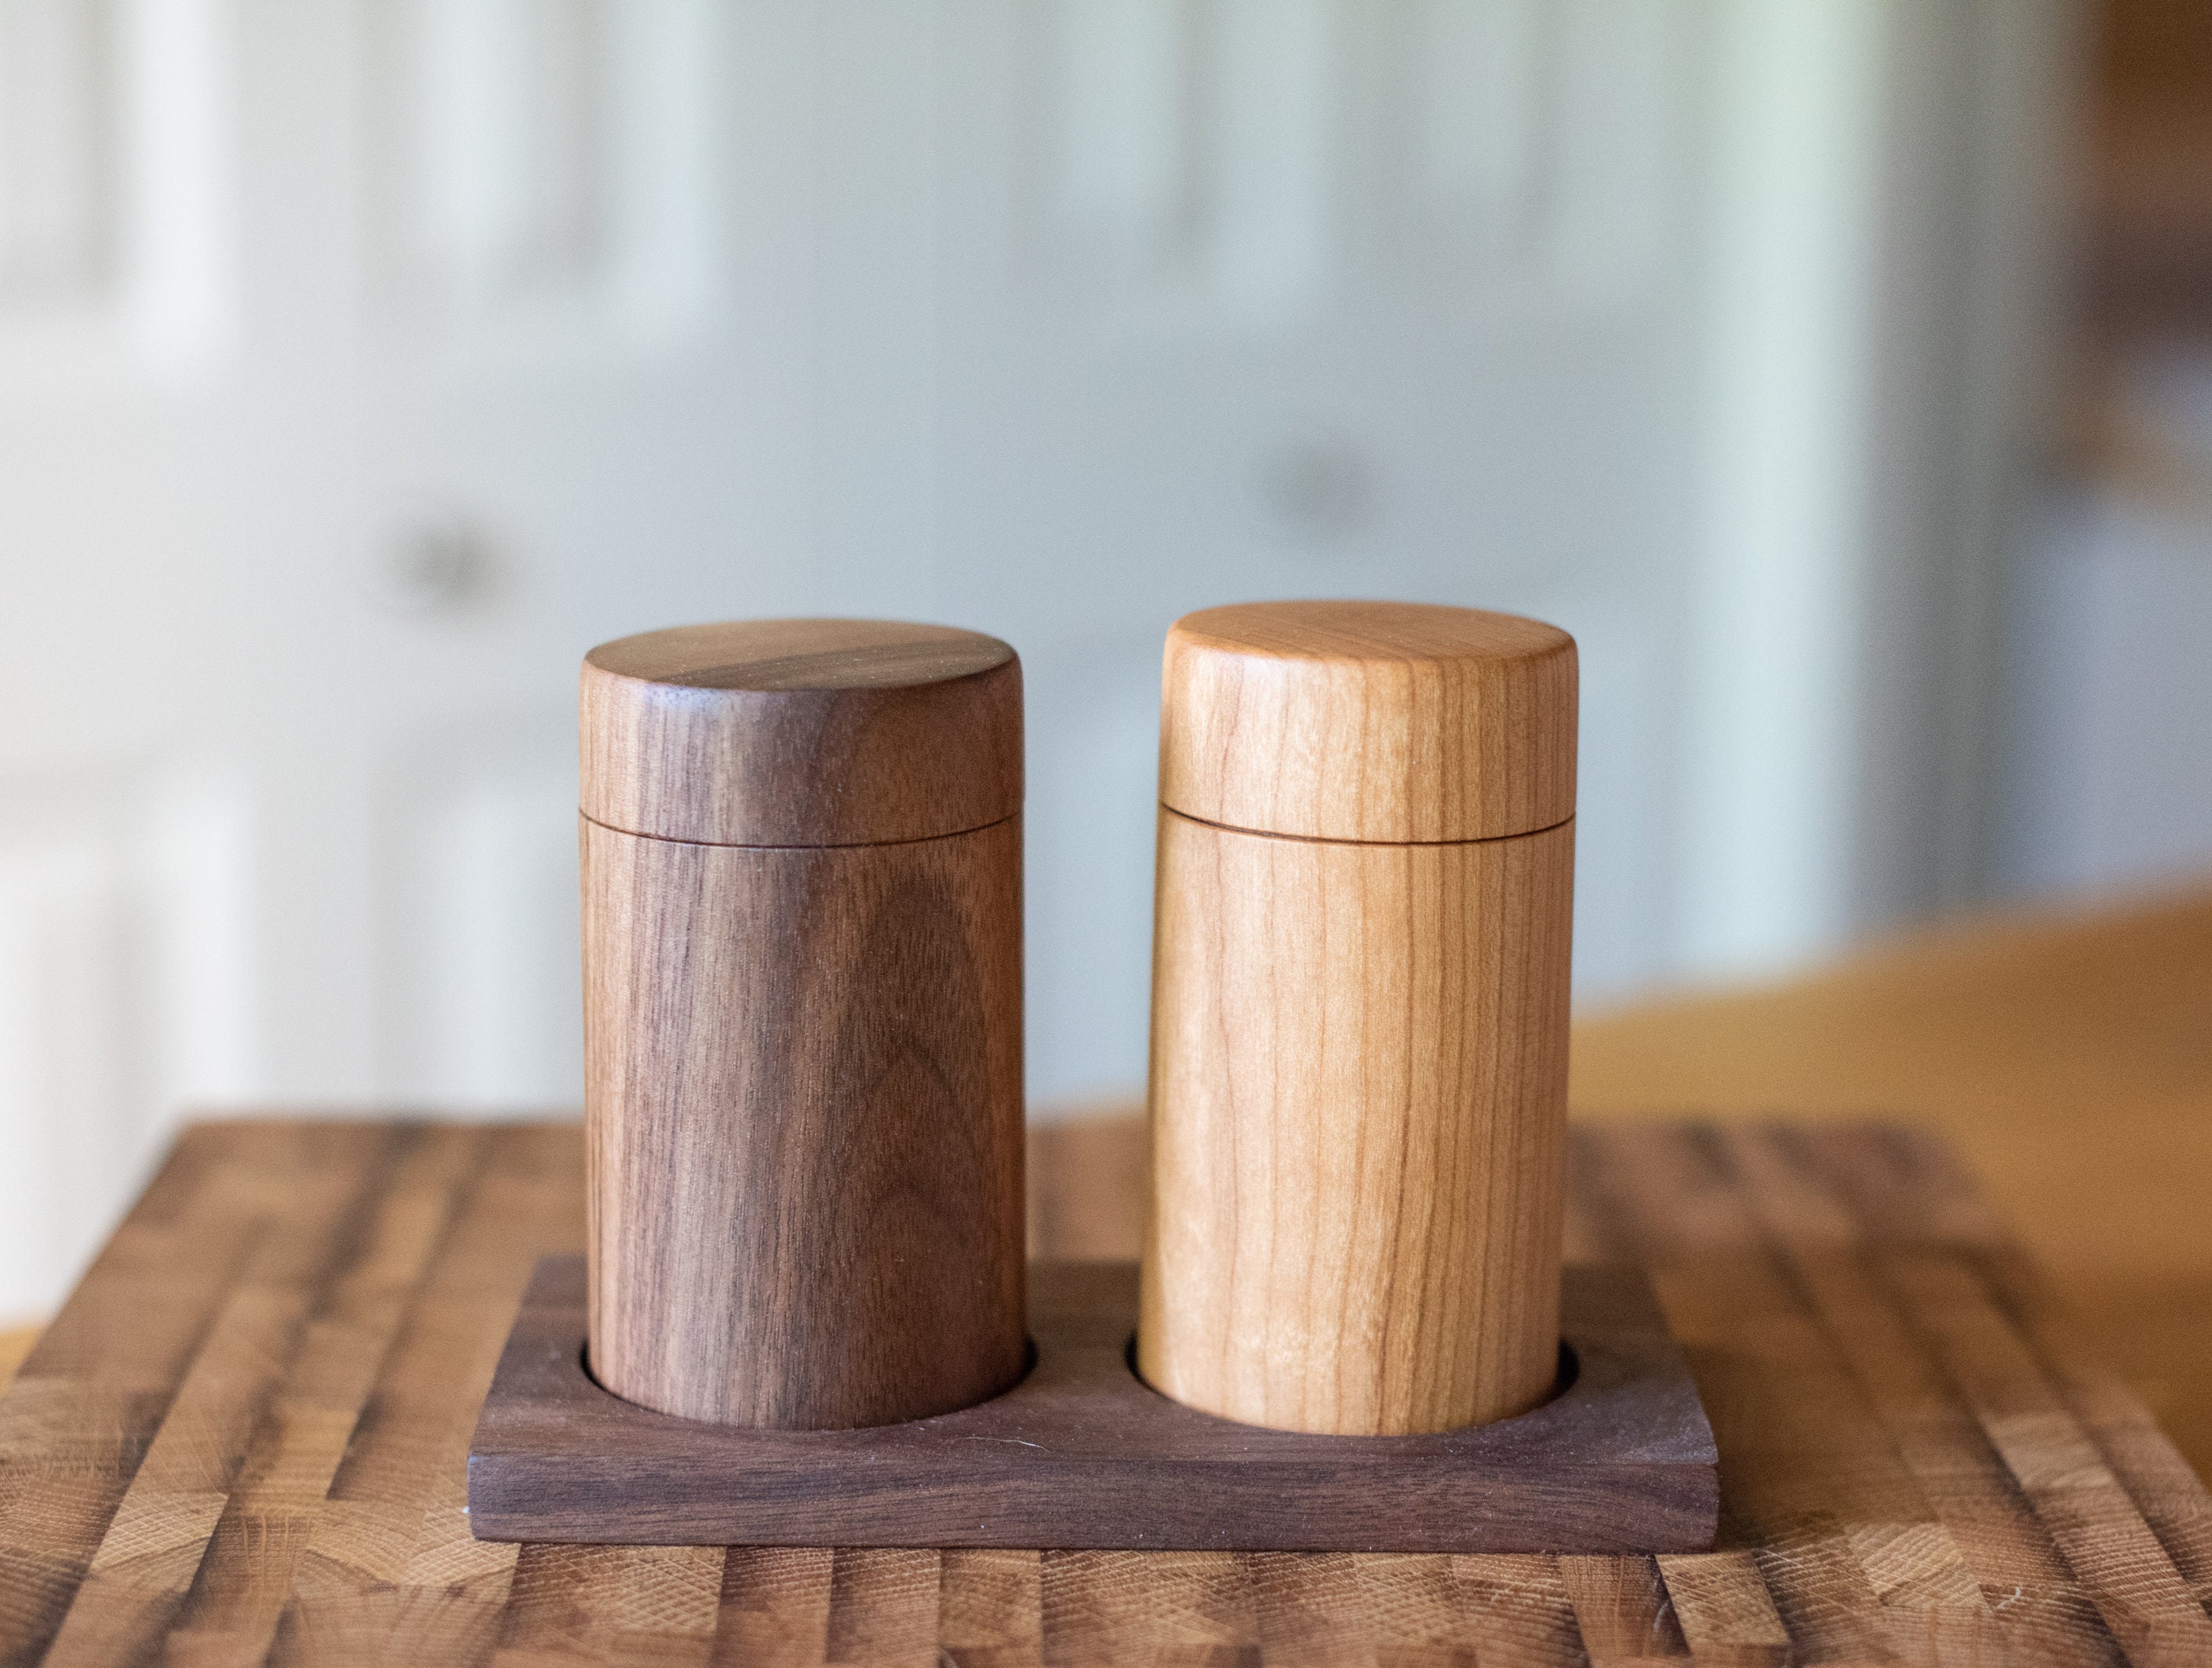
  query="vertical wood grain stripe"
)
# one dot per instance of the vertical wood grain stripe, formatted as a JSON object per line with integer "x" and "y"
{"x": 1726, "y": 1612}
{"x": 1623, "y": 1610}
{"x": 613, "y": 1604}
{"x": 2029, "y": 1602}
{"x": 2110, "y": 1550}
{"x": 413, "y": 1450}
{"x": 1898, "y": 1567}
{"x": 153, "y": 1549}
{"x": 362, "y": 1292}
{"x": 884, "y": 1606}
{"x": 1099, "y": 1606}
{"x": 2038, "y": 1599}
{"x": 229, "y": 1220}
{"x": 561, "y": 1605}
{"x": 1517, "y": 1606}
{"x": 2142, "y": 1458}
{"x": 1311, "y": 1609}
{"x": 391, "y": 1556}
{"x": 990, "y": 1608}
{"x": 1414, "y": 1599}
{"x": 775, "y": 1607}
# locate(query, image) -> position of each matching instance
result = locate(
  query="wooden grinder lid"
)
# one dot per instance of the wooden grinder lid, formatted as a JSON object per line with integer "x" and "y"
{"x": 801, "y": 732}
{"x": 1390, "y": 722}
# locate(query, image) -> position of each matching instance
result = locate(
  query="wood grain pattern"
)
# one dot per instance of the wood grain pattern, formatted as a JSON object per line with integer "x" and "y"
{"x": 804, "y": 1088}
{"x": 1381, "y": 721}
{"x": 1359, "y": 1006}
{"x": 2062, "y": 1050}
{"x": 1850, "y": 1271}
{"x": 1359, "y": 1102}
{"x": 1081, "y": 1453}
{"x": 802, "y": 1019}
{"x": 801, "y": 732}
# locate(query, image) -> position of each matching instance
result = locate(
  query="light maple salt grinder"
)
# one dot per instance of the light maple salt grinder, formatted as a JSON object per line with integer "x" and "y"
{"x": 802, "y": 874}
{"x": 1359, "y": 1015}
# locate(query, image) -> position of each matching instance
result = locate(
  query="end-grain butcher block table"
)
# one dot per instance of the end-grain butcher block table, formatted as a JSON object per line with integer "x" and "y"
{"x": 245, "y": 1439}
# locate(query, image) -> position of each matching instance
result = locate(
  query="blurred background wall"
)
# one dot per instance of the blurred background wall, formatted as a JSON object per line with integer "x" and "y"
{"x": 364, "y": 361}
{"x": 2106, "y": 763}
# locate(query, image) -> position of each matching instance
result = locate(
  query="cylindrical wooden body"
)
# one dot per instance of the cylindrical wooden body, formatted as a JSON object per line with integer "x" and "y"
{"x": 803, "y": 1063}
{"x": 1358, "y": 1100}
{"x": 804, "y": 1084}
{"x": 1359, "y": 1046}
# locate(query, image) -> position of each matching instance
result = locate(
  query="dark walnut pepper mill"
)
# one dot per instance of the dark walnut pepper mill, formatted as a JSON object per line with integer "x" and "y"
{"x": 802, "y": 878}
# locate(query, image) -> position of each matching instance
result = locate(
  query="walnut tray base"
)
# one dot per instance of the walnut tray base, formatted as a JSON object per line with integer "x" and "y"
{"x": 1082, "y": 1453}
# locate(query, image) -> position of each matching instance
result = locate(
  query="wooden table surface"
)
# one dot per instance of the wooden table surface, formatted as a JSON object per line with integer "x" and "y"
{"x": 2067, "y": 1056}
{"x": 242, "y": 1439}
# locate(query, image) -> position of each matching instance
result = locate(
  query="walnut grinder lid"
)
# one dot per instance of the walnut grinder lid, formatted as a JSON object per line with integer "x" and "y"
{"x": 801, "y": 732}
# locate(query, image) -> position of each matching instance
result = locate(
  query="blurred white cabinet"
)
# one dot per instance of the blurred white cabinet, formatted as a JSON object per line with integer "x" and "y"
{"x": 2110, "y": 744}
{"x": 362, "y": 361}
